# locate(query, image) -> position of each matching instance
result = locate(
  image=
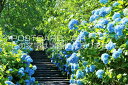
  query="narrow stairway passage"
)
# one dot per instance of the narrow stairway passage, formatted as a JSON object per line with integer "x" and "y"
{"x": 47, "y": 73}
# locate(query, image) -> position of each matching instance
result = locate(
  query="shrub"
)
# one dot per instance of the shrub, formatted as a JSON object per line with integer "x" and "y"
{"x": 15, "y": 65}
{"x": 101, "y": 52}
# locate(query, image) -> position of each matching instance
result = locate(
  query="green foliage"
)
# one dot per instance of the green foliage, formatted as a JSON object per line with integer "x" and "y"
{"x": 115, "y": 70}
{"x": 10, "y": 58}
{"x": 50, "y": 18}
{"x": 23, "y": 16}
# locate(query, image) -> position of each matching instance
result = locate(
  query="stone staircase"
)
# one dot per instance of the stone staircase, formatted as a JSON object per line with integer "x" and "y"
{"x": 47, "y": 73}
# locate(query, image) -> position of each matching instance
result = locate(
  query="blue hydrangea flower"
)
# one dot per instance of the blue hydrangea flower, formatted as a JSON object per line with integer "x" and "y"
{"x": 31, "y": 72}
{"x": 73, "y": 58}
{"x": 102, "y": 12}
{"x": 103, "y": 21}
{"x": 26, "y": 69}
{"x": 27, "y": 56}
{"x": 27, "y": 82}
{"x": 29, "y": 60}
{"x": 104, "y": 58}
{"x": 20, "y": 72}
{"x": 79, "y": 74}
{"x": 79, "y": 82}
{"x": 67, "y": 56}
{"x": 17, "y": 47}
{"x": 64, "y": 52}
{"x": 100, "y": 73}
{"x": 99, "y": 26}
{"x": 127, "y": 42}
{"x": 116, "y": 15}
{"x": 92, "y": 35}
{"x": 10, "y": 78}
{"x": 125, "y": 11}
{"x": 10, "y": 69}
{"x": 68, "y": 47}
{"x": 104, "y": 34}
{"x": 96, "y": 12}
{"x": 9, "y": 83}
{"x": 72, "y": 81}
{"x": 100, "y": 76}
{"x": 72, "y": 76}
{"x": 115, "y": 4}
{"x": 92, "y": 68}
{"x": 124, "y": 21}
{"x": 87, "y": 70}
{"x": 34, "y": 67}
{"x": 74, "y": 66}
{"x": 0, "y": 49}
{"x": 23, "y": 57}
{"x": 120, "y": 50}
{"x": 93, "y": 17}
{"x": 108, "y": 9}
{"x": 103, "y": 1}
{"x": 117, "y": 19}
{"x": 110, "y": 27}
{"x": 68, "y": 72}
{"x": 93, "y": 12}
{"x": 116, "y": 54}
{"x": 31, "y": 49}
{"x": 72, "y": 24}
{"x": 87, "y": 45}
{"x": 66, "y": 65}
{"x": 57, "y": 64}
{"x": 118, "y": 29}
{"x": 32, "y": 79}
{"x": 22, "y": 68}
{"x": 83, "y": 22}
{"x": 100, "y": 34}
{"x": 81, "y": 36}
{"x": 110, "y": 45}
{"x": 76, "y": 46}
{"x": 85, "y": 63}
{"x": 105, "y": 61}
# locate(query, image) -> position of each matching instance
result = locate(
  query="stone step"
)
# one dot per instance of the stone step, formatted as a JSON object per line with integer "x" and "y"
{"x": 39, "y": 57}
{"x": 49, "y": 72}
{"x": 64, "y": 80}
{"x": 42, "y": 63}
{"x": 41, "y": 60}
{"x": 48, "y": 68}
{"x": 48, "y": 75}
{"x": 38, "y": 78}
{"x": 54, "y": 82}
{"x": 45, "y": 66}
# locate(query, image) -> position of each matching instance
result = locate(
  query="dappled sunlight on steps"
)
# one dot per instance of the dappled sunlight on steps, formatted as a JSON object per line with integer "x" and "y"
{"x": 47, "y": 73}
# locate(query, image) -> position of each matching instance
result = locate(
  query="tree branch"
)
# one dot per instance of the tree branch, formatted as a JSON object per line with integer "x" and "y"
{"x": 2, "y": 3}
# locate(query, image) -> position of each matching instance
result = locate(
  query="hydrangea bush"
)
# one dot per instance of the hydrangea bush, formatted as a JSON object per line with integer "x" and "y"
{"x": 15, "y": 65}
{"x": 99, "y": 53}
